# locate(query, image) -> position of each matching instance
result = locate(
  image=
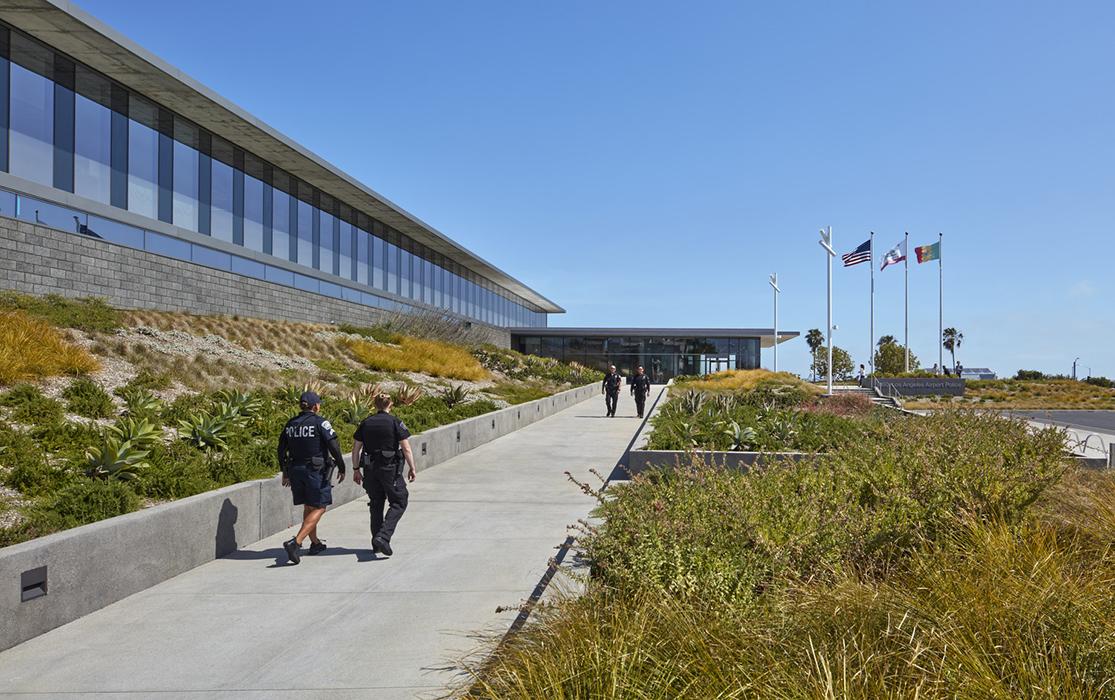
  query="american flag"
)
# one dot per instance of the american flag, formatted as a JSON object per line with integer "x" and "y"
{"x": 859, "y": 255}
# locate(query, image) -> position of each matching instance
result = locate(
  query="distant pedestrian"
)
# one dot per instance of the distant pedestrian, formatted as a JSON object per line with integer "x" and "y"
{"x": 959, "y": 370}
{"x": 640, "y": 387}
{"x": 862, "y": 374}
{"x": 610, "y": 389}
{"x": 380, "y": 447}
{"x": 308, "y": 453}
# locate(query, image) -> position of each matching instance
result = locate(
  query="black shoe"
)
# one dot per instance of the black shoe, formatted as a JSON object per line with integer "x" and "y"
{"x": 293, "y": 553}
{"x": 381, "y": 547}
{"x": 317, "y": 547}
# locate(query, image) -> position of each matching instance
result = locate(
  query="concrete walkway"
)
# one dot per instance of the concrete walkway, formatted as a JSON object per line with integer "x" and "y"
{"x": 478, "y": 534}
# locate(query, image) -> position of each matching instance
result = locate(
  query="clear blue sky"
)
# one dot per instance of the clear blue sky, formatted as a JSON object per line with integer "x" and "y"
{"x": 649, "y": 163}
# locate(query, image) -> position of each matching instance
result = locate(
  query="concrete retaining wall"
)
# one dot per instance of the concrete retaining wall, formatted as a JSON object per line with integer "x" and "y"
{"x": 639, "y": 461}
{"x": 40, "y": 260}
{"x": 92, "y": 566}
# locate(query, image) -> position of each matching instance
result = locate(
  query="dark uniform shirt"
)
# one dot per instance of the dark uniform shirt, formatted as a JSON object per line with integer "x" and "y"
{"x": 381, "y": 431}
{"x": 307, "y": 436}
{"x": 640, "y": 384}
{"x": 612, "y": 382}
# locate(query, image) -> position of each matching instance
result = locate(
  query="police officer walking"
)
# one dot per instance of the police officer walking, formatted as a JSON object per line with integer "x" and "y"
{"x": 308, "y": 453}
{"x": 640, "y": 387}
{"x": 610, "y": 389}
{"x": 380, "y": 446}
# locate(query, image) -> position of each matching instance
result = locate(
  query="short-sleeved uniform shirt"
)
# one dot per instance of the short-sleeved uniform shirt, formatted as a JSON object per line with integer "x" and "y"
{"x": 381, "y": 431}
{"x": 304, "y": 447}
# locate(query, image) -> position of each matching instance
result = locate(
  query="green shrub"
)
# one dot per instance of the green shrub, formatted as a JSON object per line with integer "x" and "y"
{"x": 1031, "y": 374}
{"x": 430, "y": 412}
{"x": 177, "y": 471}
{"x": 516, "y": 365}
{"x": 520, "y": 392}
{"x": 378, "y": 333}
{"x": 84, "y": 501}
{"x": 88, "y": 314}
{"x": 27, "y": 468}
{"x": 86, "y": 398}
{"x": 182, "y": 407}
{"x": 697, "y": 420}
{"x": 720, "y": 535}
{"x": 30, "y": 407}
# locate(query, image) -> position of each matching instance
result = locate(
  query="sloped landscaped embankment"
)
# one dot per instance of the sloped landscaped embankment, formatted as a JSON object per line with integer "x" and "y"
{"x": 121, "y": 409}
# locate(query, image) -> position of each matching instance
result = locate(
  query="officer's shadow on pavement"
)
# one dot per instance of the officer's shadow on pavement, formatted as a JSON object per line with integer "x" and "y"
{"x": 279, "y": 555}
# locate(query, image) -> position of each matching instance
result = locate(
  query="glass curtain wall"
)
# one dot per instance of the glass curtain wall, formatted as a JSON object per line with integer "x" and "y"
{"x": 125, "y": 151}
{"x": 662, "y": 357}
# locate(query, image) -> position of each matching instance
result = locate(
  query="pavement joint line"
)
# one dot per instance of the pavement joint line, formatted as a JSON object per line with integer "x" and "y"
{"x": 436, "y": 621}
{"x": 400, "y": 591}
{"x": 563, "y": 549}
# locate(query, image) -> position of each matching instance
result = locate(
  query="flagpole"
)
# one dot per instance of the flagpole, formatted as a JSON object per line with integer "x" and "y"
{"x": 777, "y": 291}
{"x": 871, "y": 323}
{"x": 906, "y": 255}
{"x": 826, "y": 243}
{"x": 940, "y": 302}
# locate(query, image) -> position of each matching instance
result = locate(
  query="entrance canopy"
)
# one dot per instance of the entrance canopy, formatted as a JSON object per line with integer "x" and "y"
{"x": 663, "y": 352}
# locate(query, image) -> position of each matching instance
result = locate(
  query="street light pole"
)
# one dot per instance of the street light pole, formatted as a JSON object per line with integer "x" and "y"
{"x": 777, "y": 291}
{"x": 1074, "y": 367}
{"x": 826, "y": 243}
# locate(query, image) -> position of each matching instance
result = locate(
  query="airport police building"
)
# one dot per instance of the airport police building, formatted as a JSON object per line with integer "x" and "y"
{"x": 123, "y": 178}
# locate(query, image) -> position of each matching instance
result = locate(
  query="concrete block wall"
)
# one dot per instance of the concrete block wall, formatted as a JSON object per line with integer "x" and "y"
{"x": 41, "y": 260}
{"x": 95, "y": 565}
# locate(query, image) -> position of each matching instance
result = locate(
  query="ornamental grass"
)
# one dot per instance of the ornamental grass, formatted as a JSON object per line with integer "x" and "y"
{"x": 432, "y": 357}
{"x": 957, "y": 556}
{"x": 744, "y": 380}
{"x": 32, "y": 349}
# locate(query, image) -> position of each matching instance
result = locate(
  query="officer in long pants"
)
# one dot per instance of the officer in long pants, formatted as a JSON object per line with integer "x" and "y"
{"x": 610, "y": 389}
{"x": 380, "y": 446}
{"x": 308, "y": 452}
{"x": 640, "y": 387}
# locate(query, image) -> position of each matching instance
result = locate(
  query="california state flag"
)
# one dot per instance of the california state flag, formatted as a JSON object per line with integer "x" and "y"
{"x": 895, "y": 255}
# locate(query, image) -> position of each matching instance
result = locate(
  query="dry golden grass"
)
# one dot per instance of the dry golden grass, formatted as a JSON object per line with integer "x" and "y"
{"x": 31, "y": 349}
{"x": 284, "y": 337}
{"x": 430, "y": 357}
{"x": 747, "y": 380}
{"x": 1026, "y": 394}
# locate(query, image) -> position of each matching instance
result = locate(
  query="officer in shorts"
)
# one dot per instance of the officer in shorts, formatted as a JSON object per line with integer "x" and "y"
{"x": 379, "y": 448}
{"x": 308, "y": 452}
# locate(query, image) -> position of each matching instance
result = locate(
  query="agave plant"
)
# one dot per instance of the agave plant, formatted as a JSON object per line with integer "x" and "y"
{"x": 294, "y": 392}
{"x": 407, "y": 394}
{"x": 115, "y": 459}
{"x": 235, "y": 401}
{"x": 740, "y": 438}
{"x": 691, "y": 402}
{"x": 370, "y": 391}
{"x": 137, "y": 431}
{"x": 454, "y": 395}
{"x": 725, "y": 403}
{"x": 355, "y": 410}
{"x": 204, "y": 431}
{"x": 140, "y": 402}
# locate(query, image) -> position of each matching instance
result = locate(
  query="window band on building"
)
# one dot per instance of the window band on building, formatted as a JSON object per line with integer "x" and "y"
{"x": 65, "y": 126}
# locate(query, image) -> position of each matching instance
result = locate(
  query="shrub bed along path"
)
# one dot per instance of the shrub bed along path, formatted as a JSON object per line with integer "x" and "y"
{"x": 477, "y": 535}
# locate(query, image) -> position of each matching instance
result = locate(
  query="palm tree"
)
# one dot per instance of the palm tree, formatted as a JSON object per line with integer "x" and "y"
{"x": 951, "y": 340}
{"x": 814, "y": 339}
{"x": 886, "y": 340}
